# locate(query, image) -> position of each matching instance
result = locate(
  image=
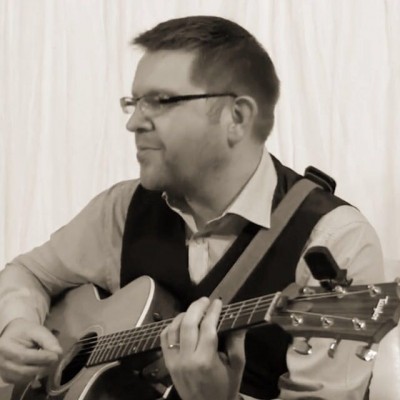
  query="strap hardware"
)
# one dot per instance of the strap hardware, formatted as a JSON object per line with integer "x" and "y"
{"x": 320, "y": 178}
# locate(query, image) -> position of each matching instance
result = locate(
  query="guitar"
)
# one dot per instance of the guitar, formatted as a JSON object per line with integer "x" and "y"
{"x": 97, "y": 334}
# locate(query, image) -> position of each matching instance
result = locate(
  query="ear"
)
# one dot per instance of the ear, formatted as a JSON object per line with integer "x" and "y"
{"x": 244, "y": 111}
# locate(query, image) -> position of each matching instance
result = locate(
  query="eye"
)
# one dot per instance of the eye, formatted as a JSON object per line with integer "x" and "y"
{"x": 164, "y": 99}
{"x": 155, "y": 101}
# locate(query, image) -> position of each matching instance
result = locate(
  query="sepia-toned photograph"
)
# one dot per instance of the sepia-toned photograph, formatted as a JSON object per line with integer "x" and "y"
{"x": 199, "y": 199}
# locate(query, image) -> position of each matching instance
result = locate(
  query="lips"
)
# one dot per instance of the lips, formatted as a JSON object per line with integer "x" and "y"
{"x": 143, "y": 152}
{"x": 144, "y": 148}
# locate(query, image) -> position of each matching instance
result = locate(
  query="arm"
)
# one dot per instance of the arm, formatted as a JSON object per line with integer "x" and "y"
{"x": 85, "y": 250}
{"x": 355, "y": 247}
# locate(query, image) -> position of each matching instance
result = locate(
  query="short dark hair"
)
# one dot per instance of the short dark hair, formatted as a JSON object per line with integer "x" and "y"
{"x": 228, "y": 58}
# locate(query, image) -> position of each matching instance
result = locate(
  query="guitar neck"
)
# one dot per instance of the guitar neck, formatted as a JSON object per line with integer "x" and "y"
{"x": 146, "y": 338}
{"x": 364, "y": 313}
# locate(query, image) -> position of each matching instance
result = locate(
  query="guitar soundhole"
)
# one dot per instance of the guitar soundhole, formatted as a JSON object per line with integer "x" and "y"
{"x": 78, "y": 358}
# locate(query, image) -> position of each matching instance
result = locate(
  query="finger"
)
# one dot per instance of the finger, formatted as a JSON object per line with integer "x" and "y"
{"x": 166, "y": 337}
{"x": 189, "y": 331}
{"x": 208, "y": 341}
{"x": 173, "y": 331}
{"x": 12, "y": 373}
{"x": 21, "y": 355}
{"x": 164, "y": 340}
{"x": 45, "y": 339}
{"x": 235, "y": 349}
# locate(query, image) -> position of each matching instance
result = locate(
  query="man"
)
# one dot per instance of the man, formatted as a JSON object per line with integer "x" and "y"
{"x": 202, "y": 106}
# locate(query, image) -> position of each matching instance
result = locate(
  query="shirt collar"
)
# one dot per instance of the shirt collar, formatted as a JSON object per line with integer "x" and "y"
{"x": 254, "y": 202}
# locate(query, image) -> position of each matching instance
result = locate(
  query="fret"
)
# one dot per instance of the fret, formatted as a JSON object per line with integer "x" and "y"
{"x": 155, "y": 341}
{"x": 118, "y": 344}
{"x": 100, "y": 351}
{"x": 259, "y": 313}
{"x": 133, "y": 347}
{"x": 109, "y": 348}
{"x": 220, "y": 327}
{"x": 228, "y": 318}
{"x": 140, "y": 343}
{"x": 137, "y": 340}
{"x": 95, "y": 353}
{"x": 125, "y": 343}
{"x": 130, "y": 342}
{"x": 148, "y": 338}
{"x": 254, "y": 312}
{"x": 239, "y": 317}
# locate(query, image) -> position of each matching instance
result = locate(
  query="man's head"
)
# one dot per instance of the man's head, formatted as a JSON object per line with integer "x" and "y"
{"x": 190, "y": 145}
{"x": 227, "y": 59}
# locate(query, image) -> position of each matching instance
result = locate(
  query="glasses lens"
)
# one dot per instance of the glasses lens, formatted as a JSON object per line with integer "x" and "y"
{"x": 127, "y": 105}
{"x": 151, "y": 104}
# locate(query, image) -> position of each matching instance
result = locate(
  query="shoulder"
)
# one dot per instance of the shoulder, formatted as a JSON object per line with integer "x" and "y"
{"x": 353, "y": 242}
{"x": 122, "y": 190}
{"x": 117, "y": 196}
{"x": 343, "y": 220}
{"x": 107, "y": 210}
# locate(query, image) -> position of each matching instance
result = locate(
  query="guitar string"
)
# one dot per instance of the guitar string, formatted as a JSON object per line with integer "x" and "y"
{"x": 154, "y": 334}
{"x": 128, "y": 335}
{"x": 150, "y": 326}
{"x": 230, "y": 308}
{"x": 75, "y": 361}
{"x": 147, "y": 331}
{"x": 128, "y": 338}
{"x": 142, "y": 330}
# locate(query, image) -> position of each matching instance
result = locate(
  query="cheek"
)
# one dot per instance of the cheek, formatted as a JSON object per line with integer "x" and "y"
{"x": 190, "y": 143}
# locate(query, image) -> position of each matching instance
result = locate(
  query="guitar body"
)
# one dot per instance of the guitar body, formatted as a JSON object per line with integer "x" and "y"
{"x": 82, "y": 314}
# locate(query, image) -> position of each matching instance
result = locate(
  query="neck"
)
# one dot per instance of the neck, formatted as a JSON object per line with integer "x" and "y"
{"x": 211, "y": 199}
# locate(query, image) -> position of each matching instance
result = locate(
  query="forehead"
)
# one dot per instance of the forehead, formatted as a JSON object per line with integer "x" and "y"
{"x": 164, "y": 71}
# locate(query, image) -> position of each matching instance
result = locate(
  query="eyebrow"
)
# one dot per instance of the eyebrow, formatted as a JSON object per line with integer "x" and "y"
{"x": 154, "y": 92}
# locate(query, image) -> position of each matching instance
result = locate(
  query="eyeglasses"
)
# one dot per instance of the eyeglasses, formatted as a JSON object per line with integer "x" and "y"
{"x": 152, "y": 104}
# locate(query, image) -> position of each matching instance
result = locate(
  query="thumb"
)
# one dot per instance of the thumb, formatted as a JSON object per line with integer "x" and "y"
{"x": 45, "y": 339}
{"x": 235, "y": 349}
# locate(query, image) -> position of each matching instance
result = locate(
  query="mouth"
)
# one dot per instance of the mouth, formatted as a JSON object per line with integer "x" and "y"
{"x": 143, "y": 152}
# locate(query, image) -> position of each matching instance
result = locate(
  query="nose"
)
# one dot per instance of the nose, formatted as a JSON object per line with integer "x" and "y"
{"x": 138, "y": 122}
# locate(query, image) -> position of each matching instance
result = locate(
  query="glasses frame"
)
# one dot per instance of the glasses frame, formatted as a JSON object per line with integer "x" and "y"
{"x": 165, "y": 99}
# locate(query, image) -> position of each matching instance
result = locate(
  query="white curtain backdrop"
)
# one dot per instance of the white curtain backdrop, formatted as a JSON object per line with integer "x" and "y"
{"x": 65, "y": 63}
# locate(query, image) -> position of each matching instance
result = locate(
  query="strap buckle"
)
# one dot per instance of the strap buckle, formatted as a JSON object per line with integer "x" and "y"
{"x": 320, "y": 178}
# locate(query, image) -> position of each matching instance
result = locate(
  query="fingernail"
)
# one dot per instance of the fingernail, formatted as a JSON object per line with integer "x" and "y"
{"x": 56, "y": 349}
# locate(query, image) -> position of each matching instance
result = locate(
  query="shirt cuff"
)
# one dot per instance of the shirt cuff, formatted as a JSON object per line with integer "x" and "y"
{"x": 16, "y": 308}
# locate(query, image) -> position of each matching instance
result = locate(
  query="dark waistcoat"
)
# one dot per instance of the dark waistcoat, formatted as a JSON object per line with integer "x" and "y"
{"x": 154, "y": 245}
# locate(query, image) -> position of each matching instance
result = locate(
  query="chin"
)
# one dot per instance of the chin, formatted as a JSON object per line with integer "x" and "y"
{"x": 151, "y": 182}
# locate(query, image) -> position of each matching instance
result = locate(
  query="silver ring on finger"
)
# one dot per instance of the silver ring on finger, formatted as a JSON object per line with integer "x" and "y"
{"x": 174, "y": 346}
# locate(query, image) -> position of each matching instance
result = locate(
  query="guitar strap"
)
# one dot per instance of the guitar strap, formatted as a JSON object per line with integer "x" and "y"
{"x": 262, "y": 241}
{"x": 251, "y": 256}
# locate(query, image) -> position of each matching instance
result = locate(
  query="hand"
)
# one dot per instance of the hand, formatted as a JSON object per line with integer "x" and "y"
{"x": 27, "y": 350}
{"x": 198, "y": 370}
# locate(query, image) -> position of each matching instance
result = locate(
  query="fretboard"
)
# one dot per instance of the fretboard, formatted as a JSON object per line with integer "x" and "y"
{"x": 146, "y": 338}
